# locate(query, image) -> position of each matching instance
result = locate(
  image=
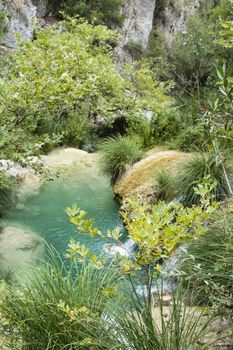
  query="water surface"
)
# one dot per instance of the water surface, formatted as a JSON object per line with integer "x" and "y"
{"x": 43, "y": 213}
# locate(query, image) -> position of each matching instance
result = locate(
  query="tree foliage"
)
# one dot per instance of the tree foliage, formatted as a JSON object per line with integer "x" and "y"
{"x": 65, "y": 82}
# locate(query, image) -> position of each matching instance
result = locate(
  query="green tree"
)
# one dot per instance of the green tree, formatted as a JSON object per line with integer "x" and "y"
{"x": 66, "y": 82}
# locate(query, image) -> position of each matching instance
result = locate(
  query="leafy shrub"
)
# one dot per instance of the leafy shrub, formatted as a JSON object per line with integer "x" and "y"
{"x": 135, "y": 49}
{"x": 165, "y": 125}
{"x": 192, "y": 138}
{"x": 223, "y": 10}
{"x": 140, "y": 127}
{"x": 157, "y": 232}
{"x": 118, "y": 153}
{"x": 208, "y": 264}
{"x": 53, "y": 91}
{"x": 194, "y": 171}
{"x": 101, "y": 11}
{"x": 76, "y": 130}
{"x": 53, "y": 87}
{"x": 18, "y": 143}
{"x": 61, "y": 307}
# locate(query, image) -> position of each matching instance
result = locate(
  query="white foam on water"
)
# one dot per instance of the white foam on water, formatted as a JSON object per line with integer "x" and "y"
{"x": 126, "y": 249}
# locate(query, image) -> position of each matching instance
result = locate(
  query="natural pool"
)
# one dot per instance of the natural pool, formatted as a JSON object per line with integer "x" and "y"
{"x": 43, "y": 213}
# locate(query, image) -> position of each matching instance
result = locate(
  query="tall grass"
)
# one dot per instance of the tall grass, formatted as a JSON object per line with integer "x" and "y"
{"x": 193, "y": 172}
{"x": 80, "y": 309}
{"x": 165, "y": 185}
{"x": 174, "y": 327}
{"x": 208, "y": 264}
{"x": 118, "y": 153}
{"x": 60, "y": 308}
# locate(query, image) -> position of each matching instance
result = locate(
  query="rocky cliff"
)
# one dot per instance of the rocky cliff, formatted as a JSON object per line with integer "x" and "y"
{"x": 19, "y": 17}
{"x": 140, "y": 17}
{"x": 172, "y": 18}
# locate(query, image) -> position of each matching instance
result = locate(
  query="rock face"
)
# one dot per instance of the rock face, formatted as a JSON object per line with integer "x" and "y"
{"x": 138, "y": 23}
{"x": 141, "y": 16}
{"x": 20, "y": 15}
{"x": 172, "y": 19}
{"x": 41, "y": 7}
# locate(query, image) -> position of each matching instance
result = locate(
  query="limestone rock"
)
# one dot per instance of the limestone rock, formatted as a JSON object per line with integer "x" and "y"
{"x": 173, "y": 19}
{"x": 20, "y": 20}
{"x": 137, "y": 25}
{"x": 41, "y": 7}
{"x": 138, "y": 178}
{"x": 15, "y": 170}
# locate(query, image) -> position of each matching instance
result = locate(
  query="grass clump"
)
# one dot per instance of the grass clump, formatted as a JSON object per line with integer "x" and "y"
{"x": 118, "y": 153}
{"x": 208, "y": 265}
{"x": 175, "y": 327}
{"x": 165, "y": 185}
{"x": 194, "y": 171}
{"x": 61, "y": 308}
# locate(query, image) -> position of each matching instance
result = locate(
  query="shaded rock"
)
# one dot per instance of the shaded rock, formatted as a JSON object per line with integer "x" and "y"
{"x": 18, "y": 248}
{"x": 41, "y": 7}
{"x": 219, "y": 335}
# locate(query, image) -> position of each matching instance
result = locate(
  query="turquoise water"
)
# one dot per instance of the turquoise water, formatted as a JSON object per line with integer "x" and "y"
{"x": 43, "y": 213}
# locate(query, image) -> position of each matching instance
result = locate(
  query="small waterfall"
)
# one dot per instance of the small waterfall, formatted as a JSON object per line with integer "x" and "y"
{"x": 129, "y": 245}
{"x": 126, "y": 249}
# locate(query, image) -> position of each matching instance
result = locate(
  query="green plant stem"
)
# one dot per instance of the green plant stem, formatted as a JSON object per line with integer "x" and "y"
{"x": 148, "y": 288}
{"x": 218, "y": 154}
